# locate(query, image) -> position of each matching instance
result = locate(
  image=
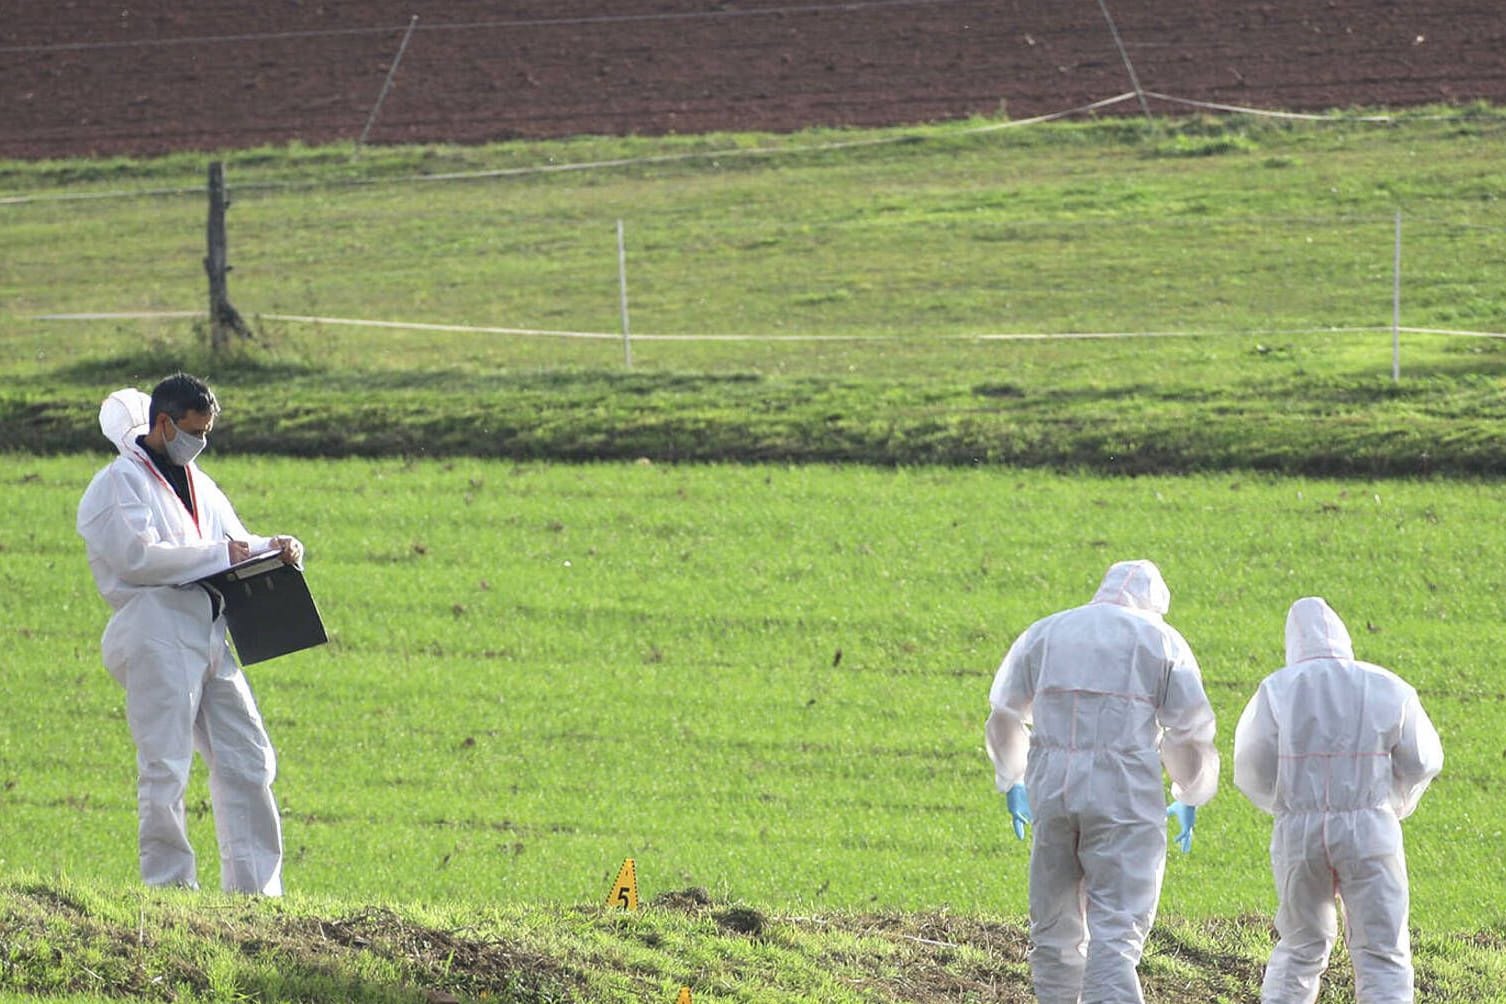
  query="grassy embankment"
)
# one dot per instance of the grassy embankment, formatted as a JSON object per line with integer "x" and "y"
{"x": 75, "y": 940}
{"x": 1272, "y": 240}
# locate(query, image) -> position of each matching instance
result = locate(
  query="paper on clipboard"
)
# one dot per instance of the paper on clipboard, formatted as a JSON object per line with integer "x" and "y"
{"x": 267, "y": 607}
{"x": 256, "y": 564}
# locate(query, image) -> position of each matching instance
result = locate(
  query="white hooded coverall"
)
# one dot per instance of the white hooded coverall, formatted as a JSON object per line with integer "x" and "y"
{"x": 184, "y": 690}
{"x": 1088, "y": 705}
{"x": 1339, "y": 751}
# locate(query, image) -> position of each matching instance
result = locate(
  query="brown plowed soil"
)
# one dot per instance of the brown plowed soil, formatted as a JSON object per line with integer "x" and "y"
{"x": 90, "y": 76}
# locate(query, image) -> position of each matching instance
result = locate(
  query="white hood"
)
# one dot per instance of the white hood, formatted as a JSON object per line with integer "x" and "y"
{"x": 123, "y": 416}
{"x": 1314, "y": 631}
{"x": 1135, "y": 584}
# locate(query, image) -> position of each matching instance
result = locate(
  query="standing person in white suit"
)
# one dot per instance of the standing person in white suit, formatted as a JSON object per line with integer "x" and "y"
{"x": 1086, "y": 708}
{"x": 152, "y": 524}
{"x": 1339, "y": 751}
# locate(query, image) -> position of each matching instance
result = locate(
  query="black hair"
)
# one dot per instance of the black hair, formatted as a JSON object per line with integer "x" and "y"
{"x": 179, "y": 394}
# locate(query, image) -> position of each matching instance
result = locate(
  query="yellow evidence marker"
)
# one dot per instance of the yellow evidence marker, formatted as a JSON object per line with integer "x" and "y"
{"x": 684, "y": 997}
{"x": 624, "y": 894}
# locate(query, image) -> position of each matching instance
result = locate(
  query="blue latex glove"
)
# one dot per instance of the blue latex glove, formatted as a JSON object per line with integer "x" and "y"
{"x": 1186, "y": 817}
{"x": 1019, "y": 809}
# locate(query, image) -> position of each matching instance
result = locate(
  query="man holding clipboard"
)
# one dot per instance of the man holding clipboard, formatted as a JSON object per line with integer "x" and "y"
{"x": 267, "y": 604}
{"x": 155, "y": 525}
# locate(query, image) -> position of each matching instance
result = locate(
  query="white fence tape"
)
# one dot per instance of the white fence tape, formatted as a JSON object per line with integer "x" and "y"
{"x": 487, "y": 329}
{"x": 1242, "y": 110}
{"x": 791, "y": 150}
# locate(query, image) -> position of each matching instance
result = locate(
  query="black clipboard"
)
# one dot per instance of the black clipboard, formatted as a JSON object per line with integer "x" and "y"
{"x": 268, "y": 608}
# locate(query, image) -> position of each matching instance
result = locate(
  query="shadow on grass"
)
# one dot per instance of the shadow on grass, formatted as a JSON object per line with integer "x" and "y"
{"x": 1340, "y": 425}
{"x": 145, "y": 366}
{"x": 247, "y": 368}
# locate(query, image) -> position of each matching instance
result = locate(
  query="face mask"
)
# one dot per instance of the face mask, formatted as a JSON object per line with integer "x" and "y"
{"x": 184, "y": 446}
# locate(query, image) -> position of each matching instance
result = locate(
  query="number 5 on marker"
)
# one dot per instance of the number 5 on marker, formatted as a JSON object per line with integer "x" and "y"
{"x": 624, "y": 894}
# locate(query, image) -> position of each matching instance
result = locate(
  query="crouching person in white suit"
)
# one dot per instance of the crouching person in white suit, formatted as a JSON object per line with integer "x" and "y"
{"x": 1339, "y": 751}
{"x": 153, "y": 524}
{"x": 1087, "y": 707}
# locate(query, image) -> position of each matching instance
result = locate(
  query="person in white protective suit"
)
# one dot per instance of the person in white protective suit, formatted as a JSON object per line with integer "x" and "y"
{"x": 152, "y": 524}
{"x": 1086, "y": 708}
{"x": 1339, "y": 751}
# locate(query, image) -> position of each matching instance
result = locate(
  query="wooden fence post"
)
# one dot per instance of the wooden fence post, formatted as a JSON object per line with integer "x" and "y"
{"x": 224, "y": 319}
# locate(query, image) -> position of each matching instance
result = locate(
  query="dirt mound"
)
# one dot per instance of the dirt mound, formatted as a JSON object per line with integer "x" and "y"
{"x": 95, "y": 77}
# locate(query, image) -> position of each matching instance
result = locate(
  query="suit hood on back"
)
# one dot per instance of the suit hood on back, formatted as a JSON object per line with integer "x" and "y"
{"x": 123, "y": 416}
{"x": 1314, "y": 631}
{"x": 1135, "y": 584}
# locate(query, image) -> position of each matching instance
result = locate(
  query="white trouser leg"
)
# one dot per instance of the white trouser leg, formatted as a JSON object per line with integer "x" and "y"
{"x": 1374, "y": 893}
{"x": 163, "y": 691}
{"x": 166, "y": 856}
{"x": 232, "y": 739}
{"x": 1124, "y": 863}
{"x": 1058, "y": 932}
{"x": 1307, "y": 915}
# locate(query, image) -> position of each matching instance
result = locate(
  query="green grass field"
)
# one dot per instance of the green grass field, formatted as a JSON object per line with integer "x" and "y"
{"x": 539, "y": 670}
{"x": 762, "y": 674}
